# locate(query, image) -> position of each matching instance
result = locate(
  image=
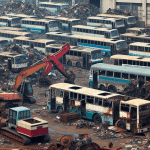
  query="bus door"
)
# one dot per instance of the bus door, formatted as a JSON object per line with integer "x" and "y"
{"x": 52, "y": 100}
{"x": 66, "y": 101}
{"x": 133, "y": 119}
{"x": 83, "y": 106}
{"x": 95, "y": 82}
{"x": 9, "y": 23}
{"x": 46, "y": 27}
{"x": 84, "y": 60}
{"x": 115, "y": 111}
{"x": 112, "y": 49}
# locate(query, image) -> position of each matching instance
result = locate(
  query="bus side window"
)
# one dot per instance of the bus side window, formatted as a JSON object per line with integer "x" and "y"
{"x": 79, "y": 97}
{"x": 90, "y": 99}
{"x": 96, "y": 101}
{"x": 74, "y": 95}
{"x": 133, "y": 76}
{"x": 135, "y": 48}
{"x": 147, "y": 78}
{"x": 146, "y": 49}
{"x": 117, "y": 74}
{"x": 102, "y": 72}
{"x": 107, "y": 103}
{"x": 100, "y": 102}
{"x": 124, "y": 75}
{"x": 109, "y": 73}
{"x": 71, "y": 95}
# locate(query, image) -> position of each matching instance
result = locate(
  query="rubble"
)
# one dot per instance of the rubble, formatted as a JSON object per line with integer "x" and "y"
{"x": 80, "y": 11}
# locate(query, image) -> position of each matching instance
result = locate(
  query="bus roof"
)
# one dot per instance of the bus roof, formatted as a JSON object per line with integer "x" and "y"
{"x": 68, "y": 35}
{"x": 75, "y": 48}
{"x": 84, "y": 90}
{"x": 129, "y": 57}
{"x": 7, "y": 17}
{"x": 94, "y": 28}
{"x": 20, "y": 15}
{"x": 53, "y": 3}
{"x": 8, "y": 54}
{"x": 136, "y": 35}
{"x": 39, "y": 20}
{"x": 140, "y": 44}
{"x": 12, "y": 28}
{"x": 136, "y": 29}
{"x": 112, "y": 15}
{"x": 20, "y": 108}
{"x": 136, "y": 102}
{"x": 15, "y": 32}
{"x": 131, "y": 69}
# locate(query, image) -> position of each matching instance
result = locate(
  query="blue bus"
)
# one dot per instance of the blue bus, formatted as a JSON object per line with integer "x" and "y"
{"x": 116, "y": 78}
{"x": 108, "y": 46}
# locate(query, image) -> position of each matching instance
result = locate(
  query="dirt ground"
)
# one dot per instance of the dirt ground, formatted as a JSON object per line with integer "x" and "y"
{"x": 56, "y": 129}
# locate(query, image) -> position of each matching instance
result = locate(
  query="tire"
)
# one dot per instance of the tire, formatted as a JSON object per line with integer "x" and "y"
{"x": 121, "y": 124}
{"x": 97, "y": 118}
{"x": 47, "y": 138}
{"x": 69, "y": 63}
{"x": 60, "y": 110}
{"x": 112, "y": 89}
{"x": 78, "y": 65}
{"x": 102, "y": 87}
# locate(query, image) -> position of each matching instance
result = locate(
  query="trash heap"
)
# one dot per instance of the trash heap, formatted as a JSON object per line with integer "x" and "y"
{"x": 27, "y": 9}
{"x": 80, "y": 11}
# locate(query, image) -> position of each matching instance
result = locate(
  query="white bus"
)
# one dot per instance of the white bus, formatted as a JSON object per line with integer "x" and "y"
{"x": 14, "y": 29}
{"x": 9, "y": 35}
{"x": 108, "y": 46}
{"x": 138, "y": 30}
{"x": 15, "y": 61}
{"x": 64, "y": 23}
{"x": 9, "y": 22}
{"x": 95, "y": 31}
{"x": 3, "y": 43}
{"x": 21, "y": 16}
{"x": 129, "y": 21}
{"x": 39, "y": 44}
{"x": 110, "y": 23}
{"x": 100, "y": 106}
{"x": 39, "y": 25}
{"x": 52, "y": 6}
{"x": 77, "y": 56}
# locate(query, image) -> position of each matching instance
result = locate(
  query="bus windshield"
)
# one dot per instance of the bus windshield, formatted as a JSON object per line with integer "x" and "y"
{"x": 119, "y": 22}
{"x": 114, "y": 33}
{"x": 121, "y": 44}
{"x": 131, "y": 20}
{"x": 96, "y": 56}
{"x": 20, "y": 59}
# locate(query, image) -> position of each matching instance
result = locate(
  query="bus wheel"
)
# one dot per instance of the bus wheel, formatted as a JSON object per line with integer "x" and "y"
{"x": 60, "y": 110}
{"x": 102, "y": 87}
{"x": 69, "y": 63}
{"x": 78, "y": 65}
{"x": 121, "y": 124}
{"x": 97, "y": 118}
{"x": 112, "y": 89}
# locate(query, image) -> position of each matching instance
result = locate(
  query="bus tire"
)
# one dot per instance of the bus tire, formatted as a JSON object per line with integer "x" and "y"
{"x": 112, "y": 88}
{"x": 59, "y": 110}
{"x": 78, "y": 65}
{"x": 102, "y": 87}
{"x": 97, "y": 118}
{"x": 121, "y": 124}
{"x": 69, "y": 63}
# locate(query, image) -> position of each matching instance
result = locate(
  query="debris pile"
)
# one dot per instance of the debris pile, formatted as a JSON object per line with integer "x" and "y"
{"x": 27, "y": 9}
{"x": 80, "y": 11}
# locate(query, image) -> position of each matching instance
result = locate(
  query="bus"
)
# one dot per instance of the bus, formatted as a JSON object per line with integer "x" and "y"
{"x": 137, "y": 30}
{"x": 39, "y": 44}
{"x": 39, "y": 25}
{"x": 139, "y": 49}
{"x": 9, "y": 35}
{"x": 3, "y": 43}
{"x": 110, "y": 23}
{"x": 14, "y": 29}
{"x": 64, "y": 23}
{"x": 77, "y": 56}
{"x": 115, "y": 78}
{"x": 129, "y": 21}
{"x": 20, "y": 16}
{"x": 16, "y": 62}
{"x": 95, "y": 31}
{"x": 100, "y": 106}
{"x": 9, "y": 22}
{"x": 52, "y": 6}
{"x": 108, "y": 46}
{"x": 131, "y": 37}
{"x": 130, "y": 60}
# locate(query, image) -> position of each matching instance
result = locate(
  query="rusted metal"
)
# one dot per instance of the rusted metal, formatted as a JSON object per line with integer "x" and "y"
{"x": 117, "y": 129}
{"x": 66, "y": 140}
{"x": 68, "y": 117}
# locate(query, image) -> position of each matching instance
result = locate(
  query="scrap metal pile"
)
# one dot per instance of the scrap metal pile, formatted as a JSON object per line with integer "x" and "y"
{"x": 28, "y": 9}
{"x": 80, "y": 11}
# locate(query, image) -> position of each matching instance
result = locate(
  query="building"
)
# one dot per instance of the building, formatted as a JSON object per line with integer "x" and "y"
{"x": 140, "y": 8}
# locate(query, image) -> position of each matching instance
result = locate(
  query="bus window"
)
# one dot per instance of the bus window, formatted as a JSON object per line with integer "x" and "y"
{"x": 102, "y": 72}
{"x": 100, "y": 102}
{"x": 107, "y": 103}
{"x": 90, "y": 99}
{"x": 79, "y": 97}
{"x": 124, "y": 75}
{"x": 146, "y": 49}
{"x": 140, "y": 48}
{"x": 147, "y": 78}
{"x": 130, "y": 62}
{"x": 132, "y": 76}
{"x": 124, "y": 61}
{"x": 79, "y": 53}
{"x": 71, "y": 95}
{"x": 117, "y": 74}
{"x": 109, "y": 73}
{"x": 71, "y": 52}
{"x": 131, "y": 47}
{"x": 75, "y": 95}
{"x": 124, "y": 107}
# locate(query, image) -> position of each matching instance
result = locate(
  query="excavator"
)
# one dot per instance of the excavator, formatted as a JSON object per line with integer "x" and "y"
{"x": 22, "y": 91}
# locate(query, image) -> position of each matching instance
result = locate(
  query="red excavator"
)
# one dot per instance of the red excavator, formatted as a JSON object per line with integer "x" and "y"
{"x": 23, "y": 90}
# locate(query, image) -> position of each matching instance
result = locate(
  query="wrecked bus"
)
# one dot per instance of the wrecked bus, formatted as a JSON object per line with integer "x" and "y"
{"x": 100, "y": 106}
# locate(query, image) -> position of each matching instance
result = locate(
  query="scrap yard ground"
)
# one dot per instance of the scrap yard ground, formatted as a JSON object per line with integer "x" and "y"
{"x": 56, "y": 129}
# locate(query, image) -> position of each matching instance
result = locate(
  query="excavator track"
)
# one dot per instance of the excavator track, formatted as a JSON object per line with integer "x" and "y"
{"x": 10, "y": 133}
